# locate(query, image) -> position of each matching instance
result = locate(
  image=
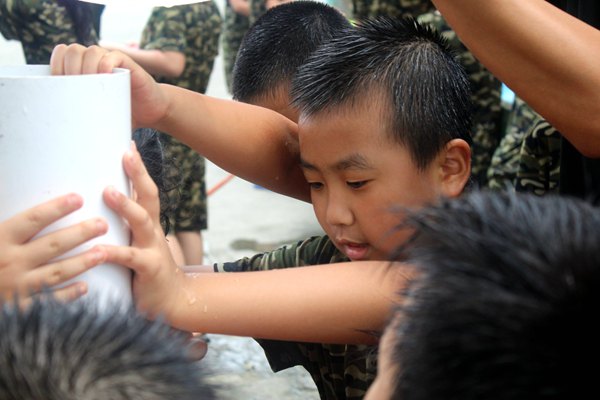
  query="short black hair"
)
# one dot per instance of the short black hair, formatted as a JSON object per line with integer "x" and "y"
{"x": 278, "y": 43}
{"x": 58, "y": 351}
{"x": 425, "y": 91}
{"x": 505, "y": 305}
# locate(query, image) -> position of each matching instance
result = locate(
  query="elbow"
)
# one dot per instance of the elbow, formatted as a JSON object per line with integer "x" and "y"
{"x": 586, "y": 139}
{"x": 591, "y": 148}
{"x": 174, "y": 71}
{"x": 174, "y": 65}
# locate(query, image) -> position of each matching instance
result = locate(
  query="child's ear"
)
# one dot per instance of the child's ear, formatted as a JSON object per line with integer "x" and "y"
{"x": 455, "y": 167}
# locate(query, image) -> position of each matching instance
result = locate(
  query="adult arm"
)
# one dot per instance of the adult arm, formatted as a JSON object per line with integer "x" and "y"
{"x": 549, "y": 58}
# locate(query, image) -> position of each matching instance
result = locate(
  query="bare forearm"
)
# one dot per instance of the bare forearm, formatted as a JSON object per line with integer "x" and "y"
{"x": 251, "y": 142}
{"x": 156, "y": 62}
{"x": 326, "y": 304}
{"x": 546, "y": 56}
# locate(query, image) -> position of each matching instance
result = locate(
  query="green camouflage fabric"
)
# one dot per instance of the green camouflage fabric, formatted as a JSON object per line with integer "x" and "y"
{"x": 234, "y": 27}
{"x": 39, "y": 25}
{"x": 485, "y": 96}
{"x": 392, "y": 8}
{"x": 257, "y": 8}
{"x": 340, "y": 371}
{"x": 194, "y": 30}
{"x": 538, "y": 171}
{"x": 505, "y": 160}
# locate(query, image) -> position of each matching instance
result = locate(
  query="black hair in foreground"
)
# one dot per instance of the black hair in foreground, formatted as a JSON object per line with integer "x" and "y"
{"x": 278, "y": 43}
{"x": 423, "y": 92}
{"x": 57, "y": 351}
{"x": 506, "y": 304}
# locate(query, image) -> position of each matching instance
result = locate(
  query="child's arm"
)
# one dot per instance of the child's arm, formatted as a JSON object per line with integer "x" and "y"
{"x": 330, "y": 303}
{"x": 254, "y": 143}
{"x": 156, "y": 62}
{"x": 26, "y": 265}
{"x": 549, "y": 58}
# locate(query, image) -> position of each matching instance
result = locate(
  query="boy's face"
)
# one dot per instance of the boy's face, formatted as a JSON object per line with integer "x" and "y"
{"x": 358, "y": 177}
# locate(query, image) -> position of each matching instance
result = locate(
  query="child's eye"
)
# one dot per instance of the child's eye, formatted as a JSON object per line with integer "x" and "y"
{"x": 315, "y": 185}
{"x": 357, "y": 184}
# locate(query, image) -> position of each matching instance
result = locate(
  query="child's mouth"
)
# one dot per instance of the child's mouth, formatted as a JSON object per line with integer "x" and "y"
{"x": 355, "y": 251}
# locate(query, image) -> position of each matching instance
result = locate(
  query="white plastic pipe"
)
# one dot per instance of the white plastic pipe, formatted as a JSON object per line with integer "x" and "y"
{"x": 62, "y": 134}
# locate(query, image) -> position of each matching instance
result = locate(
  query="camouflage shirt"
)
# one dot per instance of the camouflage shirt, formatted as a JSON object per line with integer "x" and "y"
{"x": 257, "y": 9}
{"x": 392, "y": 8}
{"x": 505, "y": 160}
{"x": 39, "y": 25}
{"x": 538, "y": 171}
{"x": 191, "y": 29}
{"x": 340, "y": 371}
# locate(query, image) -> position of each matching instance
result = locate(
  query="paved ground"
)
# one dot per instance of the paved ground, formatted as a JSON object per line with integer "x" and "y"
{"x": 243, "y": 219}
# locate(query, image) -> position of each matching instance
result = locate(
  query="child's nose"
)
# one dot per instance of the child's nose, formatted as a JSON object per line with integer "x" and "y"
{"x": 338, "y": 212}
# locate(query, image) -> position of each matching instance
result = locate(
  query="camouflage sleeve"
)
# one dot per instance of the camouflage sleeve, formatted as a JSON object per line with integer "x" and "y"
{"x": 16, "y": 16}
{"x": 400, "y": 8}
{"x": 257, "y": 8}
{"x": 502, "y": 171}
{"x": 9, "y": 26}
{"x": 539, "y": 164}
{"x": 312, "y": 251}
{"x": 165, "y": 30}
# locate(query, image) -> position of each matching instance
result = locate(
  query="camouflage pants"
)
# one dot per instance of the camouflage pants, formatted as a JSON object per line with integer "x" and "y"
{"x": 188, "y": 200}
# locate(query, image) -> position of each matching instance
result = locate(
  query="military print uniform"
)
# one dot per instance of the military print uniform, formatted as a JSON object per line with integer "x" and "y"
{"x": 39, "y": 25}
{"x": 340, "y": 371}
{"x": 194, "y": 30}
{"x": 257, "y": 9}
{"x": 485, "y": 96}
{"x": 392, "y": 8}
{"x": 234, "y": 27}
{"x": 505, "y": 161}
{"x": 539, "y": 160}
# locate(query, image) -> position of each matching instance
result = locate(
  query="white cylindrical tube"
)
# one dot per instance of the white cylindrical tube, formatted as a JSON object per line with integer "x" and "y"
{"x": 62, "y": 134}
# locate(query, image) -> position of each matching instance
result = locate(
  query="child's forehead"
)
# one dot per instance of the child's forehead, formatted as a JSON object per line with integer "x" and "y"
{"x": 371, "y": 104}
{"x": 349, "y": 121}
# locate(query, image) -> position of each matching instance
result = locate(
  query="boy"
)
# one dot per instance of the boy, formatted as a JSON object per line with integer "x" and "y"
{"x": 275, "y": 46}
{"x": 56, "y": 351}
{"x": 404, "y": 142}
{"x": 503, "y": 307}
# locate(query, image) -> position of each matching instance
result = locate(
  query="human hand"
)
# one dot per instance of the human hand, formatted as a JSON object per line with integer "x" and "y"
{"x": 148, "y": 102}
{"x": 157, "y": 280}
{"x": 28, "y": 265}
